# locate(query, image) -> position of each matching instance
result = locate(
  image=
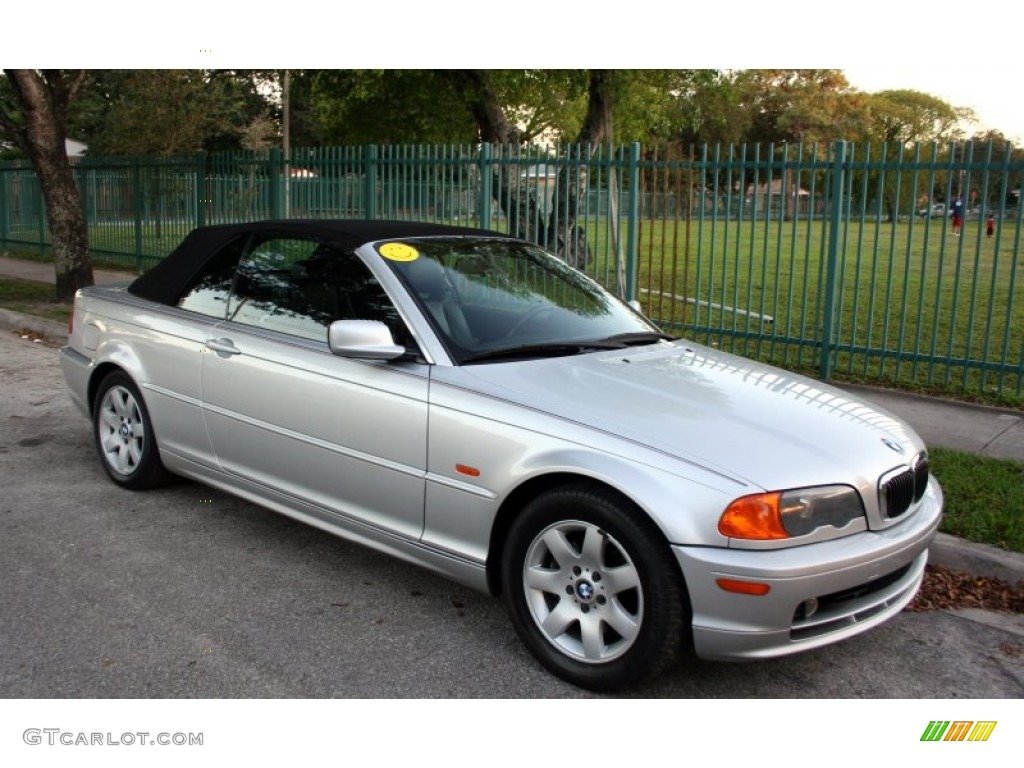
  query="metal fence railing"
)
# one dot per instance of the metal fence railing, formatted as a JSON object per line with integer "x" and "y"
{"x": 840, "y": 259}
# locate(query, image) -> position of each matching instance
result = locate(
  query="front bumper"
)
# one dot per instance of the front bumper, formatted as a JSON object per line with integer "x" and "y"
{"x": 859, "y": 581}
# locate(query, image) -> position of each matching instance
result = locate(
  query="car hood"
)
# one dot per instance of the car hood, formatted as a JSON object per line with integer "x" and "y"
{"x": 749, "y": 421}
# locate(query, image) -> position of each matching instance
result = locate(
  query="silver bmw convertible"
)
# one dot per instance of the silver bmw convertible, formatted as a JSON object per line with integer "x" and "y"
{"x": 468, "y": 402}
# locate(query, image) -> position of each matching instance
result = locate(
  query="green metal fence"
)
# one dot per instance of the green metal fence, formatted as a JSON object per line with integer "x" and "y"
{"x": 839, "y": 259}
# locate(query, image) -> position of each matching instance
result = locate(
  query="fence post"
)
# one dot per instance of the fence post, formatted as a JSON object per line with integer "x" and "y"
{"x": 82, "y": 182}
{"x": 200, "y": 171}
{"x": 92, "y": 212}
{"x": 832, "y": 256}
{"x": 137, "y": 209}
{"x": 370, "y": 175}
{"x": 633, "y": 220}
{"x": 41, "y": 216}
{"x": 486, "y": 187}
{"x": 5, "y": 211}
{"x": 276, "y": 182}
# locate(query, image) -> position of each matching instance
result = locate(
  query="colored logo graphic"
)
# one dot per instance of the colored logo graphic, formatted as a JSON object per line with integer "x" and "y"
{"x": 958, "y": 730}
{"x": 399, "y": 252}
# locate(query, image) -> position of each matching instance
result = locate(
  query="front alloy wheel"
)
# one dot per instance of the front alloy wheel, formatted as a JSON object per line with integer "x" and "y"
{"x": 592, "y": 588}
{"x": 583, "y": 591}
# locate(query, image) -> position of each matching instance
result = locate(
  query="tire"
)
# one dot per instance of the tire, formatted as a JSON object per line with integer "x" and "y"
{"x": 124, "y": 435}
{"x": 592, "y": 588}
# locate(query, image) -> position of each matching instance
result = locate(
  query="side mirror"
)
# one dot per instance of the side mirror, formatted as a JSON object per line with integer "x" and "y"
{"x": 362, "y": 339}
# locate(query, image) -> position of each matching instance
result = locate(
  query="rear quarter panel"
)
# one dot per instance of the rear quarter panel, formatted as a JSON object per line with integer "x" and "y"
{"x": 161, "y": 349}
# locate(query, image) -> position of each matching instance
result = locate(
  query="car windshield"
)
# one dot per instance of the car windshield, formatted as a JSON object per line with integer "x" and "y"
{"x": 499, "y": 299}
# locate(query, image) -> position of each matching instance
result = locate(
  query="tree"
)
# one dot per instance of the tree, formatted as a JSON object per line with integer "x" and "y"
{"x": 702, "y": 106}
{"x": 801, "y": 105}
{"x": 907, "y": 116}
{"x": 559, "y": 229}
{"x": 996, "y": 190}
{"x": 170, "y": 111}
{"x": 387, "y": 107}
{"x": 440, "y": 106}
{"x": 899, "y": 118}
{"x": 34, "y": 115}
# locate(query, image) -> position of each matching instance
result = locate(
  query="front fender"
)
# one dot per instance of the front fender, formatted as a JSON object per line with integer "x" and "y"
{"x": 463, "y": 514}
{"x": 683, "y": 508}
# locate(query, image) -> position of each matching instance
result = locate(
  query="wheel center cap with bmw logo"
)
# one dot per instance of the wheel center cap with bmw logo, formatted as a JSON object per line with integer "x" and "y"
{"x": 585, "y": 590}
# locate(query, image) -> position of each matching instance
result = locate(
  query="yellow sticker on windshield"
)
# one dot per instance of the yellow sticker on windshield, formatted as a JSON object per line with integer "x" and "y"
{"x": 399, "y": 252}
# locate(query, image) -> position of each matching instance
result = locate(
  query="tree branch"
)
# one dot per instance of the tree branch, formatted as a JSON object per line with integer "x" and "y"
{"x": 597, "y": 124}
{"x": 16, "y": 130}
{"x": 487, "y": 109}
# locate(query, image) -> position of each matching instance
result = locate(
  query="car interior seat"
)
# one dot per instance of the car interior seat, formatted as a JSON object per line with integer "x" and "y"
{"x": 430, "y": 283}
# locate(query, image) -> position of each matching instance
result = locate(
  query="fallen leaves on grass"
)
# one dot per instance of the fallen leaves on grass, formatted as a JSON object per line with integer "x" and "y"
{"x": 945, "y": 588}
{"x": 34, "y": 336}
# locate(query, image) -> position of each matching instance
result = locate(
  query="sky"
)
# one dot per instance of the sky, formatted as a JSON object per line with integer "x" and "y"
{"x": 994, "y": 99}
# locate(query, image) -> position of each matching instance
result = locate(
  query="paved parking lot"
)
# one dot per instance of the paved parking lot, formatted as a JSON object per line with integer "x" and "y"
{"x": 186, "y": 592}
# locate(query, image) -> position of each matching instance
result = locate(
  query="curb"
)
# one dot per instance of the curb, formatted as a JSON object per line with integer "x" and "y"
{"x": 14, "y": 321}
{"x": 977, "y": 559}
{"x": 869, "y": 389}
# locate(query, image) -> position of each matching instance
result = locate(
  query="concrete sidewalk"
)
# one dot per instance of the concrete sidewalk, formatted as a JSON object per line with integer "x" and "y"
{"x": 42, "y": 272}
{"x": 960, "y": 426}
{"x": 980, "y": 429}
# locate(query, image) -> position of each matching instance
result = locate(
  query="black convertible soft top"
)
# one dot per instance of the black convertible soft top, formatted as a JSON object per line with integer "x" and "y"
{"x": 165, "y": 282}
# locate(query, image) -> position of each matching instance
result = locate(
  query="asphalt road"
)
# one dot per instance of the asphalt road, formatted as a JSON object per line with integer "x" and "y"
{"x": 187, "y": 592}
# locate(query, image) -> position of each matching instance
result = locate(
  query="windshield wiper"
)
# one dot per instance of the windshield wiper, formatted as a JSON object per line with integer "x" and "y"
{"x": 556, "y": 349}
{"x": 638, "y": 338}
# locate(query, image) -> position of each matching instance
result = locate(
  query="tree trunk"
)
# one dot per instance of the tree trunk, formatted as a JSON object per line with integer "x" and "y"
{"x": 792, "y": 196}
{"x": 510, "y": 191}
{"x": 71, "y": 263}
{"x": 41, "y": 136}
{"x": 559, "y": 230}
{"x": 571, "y": 237}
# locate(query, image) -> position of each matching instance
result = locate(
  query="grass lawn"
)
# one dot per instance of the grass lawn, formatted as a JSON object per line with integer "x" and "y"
{"x": 914, "y": 306}
{"x": 32, "y": 298}
{"x": 984, "y": 497}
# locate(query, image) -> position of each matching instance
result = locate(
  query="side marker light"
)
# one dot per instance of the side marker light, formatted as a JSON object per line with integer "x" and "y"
{"x": 743, "y": 587}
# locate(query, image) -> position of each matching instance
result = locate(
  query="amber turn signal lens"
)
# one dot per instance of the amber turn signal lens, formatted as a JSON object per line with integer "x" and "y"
{"x": 743, "y": 587}
{"x": 753, "y": 517}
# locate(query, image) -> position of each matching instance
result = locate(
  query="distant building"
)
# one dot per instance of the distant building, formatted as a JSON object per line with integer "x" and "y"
{"x": 542, "y": 179}
{"x": 771, "y": 195}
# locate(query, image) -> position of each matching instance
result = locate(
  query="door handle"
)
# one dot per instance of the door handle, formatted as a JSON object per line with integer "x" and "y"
{"x": 223, "y": 347}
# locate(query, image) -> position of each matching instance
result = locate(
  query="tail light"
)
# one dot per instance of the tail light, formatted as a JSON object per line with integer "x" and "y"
{"x": 71, "y": 317}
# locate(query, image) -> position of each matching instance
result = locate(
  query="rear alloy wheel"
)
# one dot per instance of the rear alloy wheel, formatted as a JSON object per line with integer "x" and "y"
{"x": 593, "y": 589}
{"x": 124, "y": 435}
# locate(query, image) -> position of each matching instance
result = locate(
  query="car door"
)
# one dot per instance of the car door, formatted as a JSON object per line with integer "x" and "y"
{"x": 348, "y": 436}
{"x": 171, "y": 343}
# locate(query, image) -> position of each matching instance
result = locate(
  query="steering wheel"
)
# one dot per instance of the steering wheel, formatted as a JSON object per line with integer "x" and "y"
{"x": 530, "y": 317}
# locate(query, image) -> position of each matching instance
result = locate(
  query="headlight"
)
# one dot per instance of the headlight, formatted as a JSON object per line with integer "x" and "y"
{"x": 784, "y": 514}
